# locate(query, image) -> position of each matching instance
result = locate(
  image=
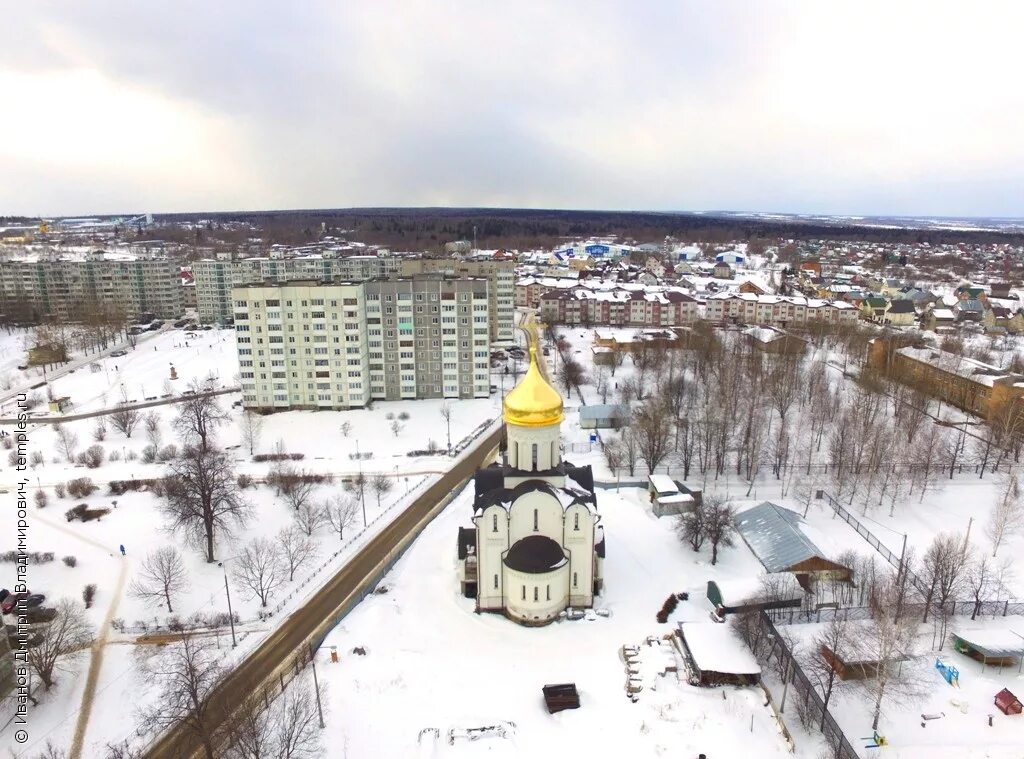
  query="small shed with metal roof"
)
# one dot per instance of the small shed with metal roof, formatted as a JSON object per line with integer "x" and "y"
{"x": 774, "y": 536}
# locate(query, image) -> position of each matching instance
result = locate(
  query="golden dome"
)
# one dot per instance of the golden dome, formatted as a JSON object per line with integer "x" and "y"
{"x": 533, "y": 402}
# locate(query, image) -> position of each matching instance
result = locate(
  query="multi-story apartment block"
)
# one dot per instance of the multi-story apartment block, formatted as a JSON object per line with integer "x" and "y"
{"x": 65, "y": 288}
{"x": 215, "y": 278}
{"x": 336, "y": 345}
{"x": 500, "y": 274}
{"x": 635, "y": 307}
{"x": 435, "y": 331}
{"x": 776, "y": 310}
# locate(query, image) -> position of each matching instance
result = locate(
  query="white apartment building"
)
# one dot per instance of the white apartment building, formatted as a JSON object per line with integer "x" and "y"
{"x": 214, "y": 278}
{"x": 316, "y": 345}
{"x": 500, "y": 274}
{"x": 67, "y": 287}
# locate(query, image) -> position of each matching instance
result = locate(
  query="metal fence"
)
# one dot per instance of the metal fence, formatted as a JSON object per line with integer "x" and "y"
{"x": 805, "y": 690}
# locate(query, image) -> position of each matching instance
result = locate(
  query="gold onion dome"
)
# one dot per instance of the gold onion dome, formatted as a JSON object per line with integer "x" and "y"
{"x": 533, "y": 402}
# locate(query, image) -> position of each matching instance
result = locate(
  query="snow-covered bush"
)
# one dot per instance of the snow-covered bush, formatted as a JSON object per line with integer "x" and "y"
{"x": 41, "y": 499}
{"x": 168, "y": 453}
{"x": 88, "y": 594}
{"x": 149, "y": 454}
{"x": 244, "y": 481}
{"x": 60, "y": 490}
{"x": 70, "y": 561}
{"x": 81, "y": 487}
{"x": 91, "y": 457}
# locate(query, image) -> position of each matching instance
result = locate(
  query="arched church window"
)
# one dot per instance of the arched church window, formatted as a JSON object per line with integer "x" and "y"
{"x": 495, "y": 582}
{"x": 536, "y": 520}
{"x": 533, "y": 448}
{"x": 576, "y": 521}
{"x": 575, "y": 580}
{"x": 524, "y": 592}
{"x": 536, "y": 593}
{"x": 549, "y": 592}
{"x": 494, "y": 522}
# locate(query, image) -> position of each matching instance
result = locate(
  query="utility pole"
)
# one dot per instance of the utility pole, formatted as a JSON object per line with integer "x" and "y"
{"x": 362, "y": 485}
{"x": 231, "y": 614}
{"x": 316, "y": 686}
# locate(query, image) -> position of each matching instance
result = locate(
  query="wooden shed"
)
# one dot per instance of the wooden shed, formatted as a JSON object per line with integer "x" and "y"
{"x": 561, "y": 697}
{"x": 1008, "y": 703}
{"x": 774, "y": 536}
{"x": 716, "y": 655}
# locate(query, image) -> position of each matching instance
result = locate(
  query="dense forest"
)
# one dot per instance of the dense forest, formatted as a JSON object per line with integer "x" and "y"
{"x": 430, "y": 228}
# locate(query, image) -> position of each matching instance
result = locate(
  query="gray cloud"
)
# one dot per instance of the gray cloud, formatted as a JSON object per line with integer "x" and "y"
{"x": 803, "y": 107}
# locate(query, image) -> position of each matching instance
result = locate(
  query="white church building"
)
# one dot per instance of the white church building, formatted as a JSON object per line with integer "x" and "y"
{"x": 536, "y": 547}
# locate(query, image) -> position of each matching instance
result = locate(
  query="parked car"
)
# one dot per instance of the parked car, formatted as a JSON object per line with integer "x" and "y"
{"x": 4, "y": 592}
{"x": 135, "y": 331}
{"x": 180, "y": 323}
{"x": 118, "y": 353}
{"x": 12, "y": 600}
{"x": 40, "y": 614}
{"x": 36, "y": 599}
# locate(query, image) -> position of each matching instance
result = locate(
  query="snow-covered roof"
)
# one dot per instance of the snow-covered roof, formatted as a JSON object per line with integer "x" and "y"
{"x": 662, "y": 483}
{"x": 773, "y": 534}
{"x": 716, "y": 648}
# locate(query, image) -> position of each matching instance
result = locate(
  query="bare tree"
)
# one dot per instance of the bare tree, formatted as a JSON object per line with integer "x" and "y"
{"x": 252, "y": 426}
{"x": 888, "y": 640}
{"x": 941, "y": 570}
{"x": 652, "y": 425}
{"x": 161, "y": 575}
{"x": 309, "y": 517}
{"x": 719, "y": 527}
{"x": 692, "y": 526}
{"x": 199, "y": 416}
{"x": 630, "y": 449}
{"x": 125, "y": 419}
{"x": 571, "y": 374}
{"x": 985, "y": 579}
{"x": 296, "y": 549}
{"x": 835, "y": 637}
{"x": 396, "y": 428}
{"x": 67, "y": 442}
{"x": 287, "y": 728}
{"x": 66, "y": 635}
{"x": 187, "y": 673}
{"x": 259, "y": 569}
{"x": 202, "y": 496}
{"x": 341, "y": 512}
{"x": 446, "y": 414}
{"x": 295, "y": 486}
{"x": 381, "y": 485}
{"x": 152, "y": 424}
{"x": 613, "y": 456}
{"x": 358, "y": 484}
{"x": 99, "y": 430}
{"x": 1006, "y": 517}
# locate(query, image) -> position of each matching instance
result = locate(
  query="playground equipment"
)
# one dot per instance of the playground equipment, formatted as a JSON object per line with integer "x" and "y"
{"x": 949, "y": 673}
{"x": 877, "y": 741}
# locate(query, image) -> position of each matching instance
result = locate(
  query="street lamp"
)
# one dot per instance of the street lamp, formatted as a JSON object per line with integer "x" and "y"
{"x": 227, "y": 592}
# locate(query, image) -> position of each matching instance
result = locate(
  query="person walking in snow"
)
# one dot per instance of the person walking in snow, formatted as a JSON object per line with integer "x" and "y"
{"x": 122, "y": 551}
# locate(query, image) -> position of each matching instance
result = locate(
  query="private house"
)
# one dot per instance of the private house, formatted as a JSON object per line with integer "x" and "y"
{"x": 717, "y": 656}
{"x": 969, "y": 310}
{"x": 751, "y": 287}
{"x": 966, "y": 383}
{"x": 874, "y": 307}
{"x": 722, "y": 270}
{"x": 812, "y": 266}
{"x": 969, "y": 292}
{"x": 901, "y": 313}
{"x": 1003, "y": 319}
{"x": 939, "y": 320}
{"x": 774, "y": 536}
{"x": 775, "y": 340}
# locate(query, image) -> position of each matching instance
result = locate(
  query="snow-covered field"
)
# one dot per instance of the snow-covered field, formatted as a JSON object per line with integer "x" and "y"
{"x": 136, "y": 521}
{"x": 432, "y": 662}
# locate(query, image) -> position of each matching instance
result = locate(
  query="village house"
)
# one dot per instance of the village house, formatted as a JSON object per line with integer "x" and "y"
{"x": 774, "y": 340}
{"x": 901, "y": 313}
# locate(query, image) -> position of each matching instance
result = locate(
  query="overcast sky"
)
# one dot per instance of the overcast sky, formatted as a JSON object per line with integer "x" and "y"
{"x": 177, "y": 105}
